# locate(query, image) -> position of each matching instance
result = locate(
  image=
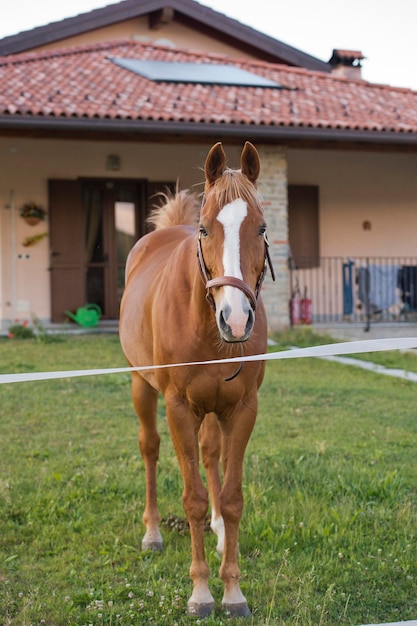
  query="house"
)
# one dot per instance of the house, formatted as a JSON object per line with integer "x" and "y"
{"x": 90, "y": 130}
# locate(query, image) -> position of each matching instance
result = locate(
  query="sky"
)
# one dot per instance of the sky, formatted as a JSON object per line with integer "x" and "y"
{"x": 383, "y": 30}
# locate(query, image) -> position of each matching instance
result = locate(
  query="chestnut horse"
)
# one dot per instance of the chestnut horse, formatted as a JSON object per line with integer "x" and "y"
{"x": 193, "y": 294}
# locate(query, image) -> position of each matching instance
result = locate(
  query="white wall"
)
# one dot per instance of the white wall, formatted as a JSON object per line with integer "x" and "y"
{"x": 361, "y": 186}
{"x": 25, "y": 167}
{"x": 354, "y": 186}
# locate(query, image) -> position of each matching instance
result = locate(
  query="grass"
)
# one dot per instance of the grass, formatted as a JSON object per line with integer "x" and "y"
{"x": 328, "y": 534}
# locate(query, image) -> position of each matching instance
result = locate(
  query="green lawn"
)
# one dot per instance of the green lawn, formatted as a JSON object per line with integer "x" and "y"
{"x": 328, "y": 534}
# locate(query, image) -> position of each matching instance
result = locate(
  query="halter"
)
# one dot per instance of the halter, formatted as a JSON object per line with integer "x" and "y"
{"x": 232, "y": 281}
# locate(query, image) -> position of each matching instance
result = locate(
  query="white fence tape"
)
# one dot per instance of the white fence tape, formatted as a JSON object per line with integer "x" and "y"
{"x": 350, "y": 347}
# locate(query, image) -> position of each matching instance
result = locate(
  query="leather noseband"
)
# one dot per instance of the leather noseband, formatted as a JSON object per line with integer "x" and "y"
{"x": 232, "y": 281}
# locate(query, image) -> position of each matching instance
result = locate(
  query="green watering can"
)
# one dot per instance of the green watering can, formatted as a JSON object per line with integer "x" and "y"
{"x": 86, "y": 316}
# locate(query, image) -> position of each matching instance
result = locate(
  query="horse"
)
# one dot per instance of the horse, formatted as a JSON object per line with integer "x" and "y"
{"x": 192, "y": 293}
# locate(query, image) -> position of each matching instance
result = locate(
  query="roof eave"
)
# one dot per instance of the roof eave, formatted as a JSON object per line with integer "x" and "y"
{"x": 265, "y": 133}
{"x": 72, "y": 26}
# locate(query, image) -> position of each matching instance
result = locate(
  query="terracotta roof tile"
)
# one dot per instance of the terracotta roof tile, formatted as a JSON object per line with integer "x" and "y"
{"x": 83, "y": 82}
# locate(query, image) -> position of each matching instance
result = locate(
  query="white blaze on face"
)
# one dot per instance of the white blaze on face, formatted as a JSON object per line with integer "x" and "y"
{"x": 233, "y": 305}
{"x": 232, "y": 216}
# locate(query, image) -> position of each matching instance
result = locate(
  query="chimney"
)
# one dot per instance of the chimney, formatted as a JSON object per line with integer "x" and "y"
{"x": 347, "y": 63}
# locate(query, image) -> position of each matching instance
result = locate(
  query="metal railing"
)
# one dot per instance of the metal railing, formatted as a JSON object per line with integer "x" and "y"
{"x": 353, "y": 289}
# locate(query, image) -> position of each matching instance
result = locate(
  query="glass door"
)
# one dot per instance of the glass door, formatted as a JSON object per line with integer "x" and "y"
{"x": 96, "y": 248}
{"x": 126, "y": 236}
{"x": 114, "y": 216}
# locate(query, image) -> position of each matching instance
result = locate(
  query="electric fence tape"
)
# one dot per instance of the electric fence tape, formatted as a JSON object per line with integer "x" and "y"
{"x": 335, "y": 349}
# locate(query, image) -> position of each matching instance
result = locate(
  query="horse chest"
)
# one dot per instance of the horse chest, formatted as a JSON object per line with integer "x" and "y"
{"x": 206, "y": 394}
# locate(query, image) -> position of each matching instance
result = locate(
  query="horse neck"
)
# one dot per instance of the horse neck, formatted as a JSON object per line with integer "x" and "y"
{"x": 199, "y": 293}
{"x": 200, "y": 307}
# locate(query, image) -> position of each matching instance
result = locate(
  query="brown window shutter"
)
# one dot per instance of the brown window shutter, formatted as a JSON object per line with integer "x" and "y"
{"x": 303, "y": 225}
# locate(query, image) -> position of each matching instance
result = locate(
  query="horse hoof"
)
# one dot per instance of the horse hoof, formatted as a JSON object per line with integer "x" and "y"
{"x": 155, "y": 546}
{"x": 195, "y": 609}
{"x": 240, "y": 609}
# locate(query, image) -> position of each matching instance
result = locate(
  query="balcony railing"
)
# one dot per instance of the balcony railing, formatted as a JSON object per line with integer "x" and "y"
{"x": 354, "y": 289}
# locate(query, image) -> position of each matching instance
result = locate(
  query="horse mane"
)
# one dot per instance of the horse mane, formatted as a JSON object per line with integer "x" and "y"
{"x": 233, "y": 184}
{"x": 181, "y": 207}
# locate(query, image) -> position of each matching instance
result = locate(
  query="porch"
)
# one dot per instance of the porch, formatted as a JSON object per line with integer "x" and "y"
{"x": 354, "y": 293}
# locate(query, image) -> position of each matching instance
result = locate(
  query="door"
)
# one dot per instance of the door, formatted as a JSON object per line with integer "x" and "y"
{"x": 66, "y": 223}
{"x": 93, "y": 225}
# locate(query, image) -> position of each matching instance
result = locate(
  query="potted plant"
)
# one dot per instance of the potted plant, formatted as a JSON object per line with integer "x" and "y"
{"x": 32, "y": 213}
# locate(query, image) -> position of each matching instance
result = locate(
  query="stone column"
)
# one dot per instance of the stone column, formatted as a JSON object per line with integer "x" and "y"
{"x": 273, "y": 189}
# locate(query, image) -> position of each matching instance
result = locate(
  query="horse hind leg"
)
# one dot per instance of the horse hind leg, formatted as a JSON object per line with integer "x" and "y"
{"x": 145, "y": 400}
{"x": 210, "y": 444}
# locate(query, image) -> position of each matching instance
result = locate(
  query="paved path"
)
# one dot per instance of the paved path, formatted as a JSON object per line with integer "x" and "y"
{"x": 356, "y": 332}
{"x": 412, "y": 622}
{"x": 373, "y": 367}
{"x": 366, "y": 365}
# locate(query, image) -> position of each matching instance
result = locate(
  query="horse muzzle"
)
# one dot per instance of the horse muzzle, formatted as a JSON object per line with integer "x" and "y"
{"x": 234, "y": 307}
{"x": 234, "y": 329}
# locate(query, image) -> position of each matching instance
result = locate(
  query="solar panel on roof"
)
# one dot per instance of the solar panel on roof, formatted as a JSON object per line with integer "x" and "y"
{"x": 201, "y": 73}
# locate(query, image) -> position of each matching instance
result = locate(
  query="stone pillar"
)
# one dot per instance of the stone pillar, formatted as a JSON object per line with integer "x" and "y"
{"x": 273, "y": 189}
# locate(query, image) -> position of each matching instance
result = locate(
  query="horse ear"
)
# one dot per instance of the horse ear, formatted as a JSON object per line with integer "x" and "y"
{"x": 249, "y": 162}
{"x": 215, "y": 162}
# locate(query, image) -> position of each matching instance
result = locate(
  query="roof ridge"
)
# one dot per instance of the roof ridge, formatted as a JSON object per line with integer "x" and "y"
{"x": 35, "y": 55}
{"x": 41, "y": 55}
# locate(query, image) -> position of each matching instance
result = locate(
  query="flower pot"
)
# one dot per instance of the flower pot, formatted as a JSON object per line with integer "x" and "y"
{"x": 32, "y": 221}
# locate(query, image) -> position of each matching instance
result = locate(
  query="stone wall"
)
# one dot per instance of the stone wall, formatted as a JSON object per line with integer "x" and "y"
{"x": 273, "y": 189}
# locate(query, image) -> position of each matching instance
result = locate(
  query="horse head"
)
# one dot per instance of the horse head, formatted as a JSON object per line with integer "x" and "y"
{"x": 232, "y": 241}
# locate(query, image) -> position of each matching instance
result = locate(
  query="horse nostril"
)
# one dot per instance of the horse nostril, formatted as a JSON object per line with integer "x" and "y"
{"x": 225, "y": 312}
{"x": 250, "y": 322}
{"x": 222, "y": 320}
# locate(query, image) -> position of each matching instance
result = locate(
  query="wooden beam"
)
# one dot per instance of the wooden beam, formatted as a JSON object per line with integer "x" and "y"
{"x": 158, "y": 19}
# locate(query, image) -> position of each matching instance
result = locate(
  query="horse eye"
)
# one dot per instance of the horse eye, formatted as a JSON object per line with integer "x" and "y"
{"x": 262, "y": 230}
{"x": 202, "y": 231}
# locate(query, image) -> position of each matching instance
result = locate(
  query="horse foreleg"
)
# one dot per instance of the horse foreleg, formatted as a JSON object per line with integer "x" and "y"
{"x": 210, "y": 443}
{"x": 184, "y": 432}
{"x": 236, "y": 433}
{"x": 145, "y": 400}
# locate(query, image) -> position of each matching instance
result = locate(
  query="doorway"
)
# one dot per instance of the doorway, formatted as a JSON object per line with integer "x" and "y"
{"x": 93, "y": 225}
